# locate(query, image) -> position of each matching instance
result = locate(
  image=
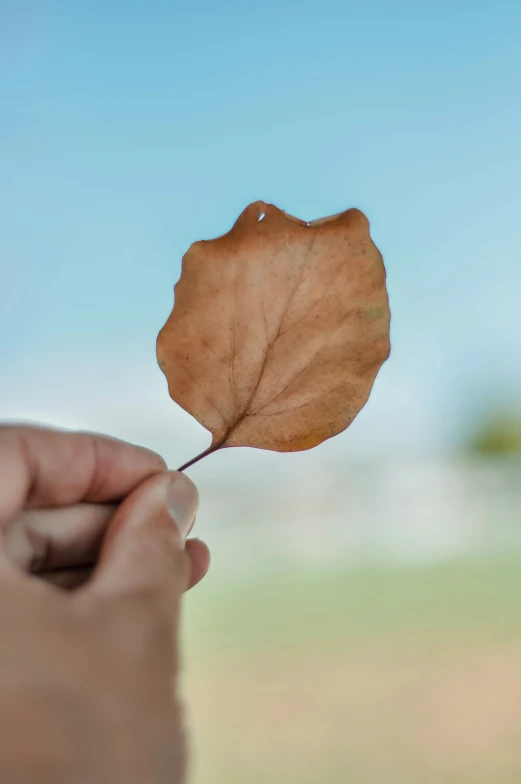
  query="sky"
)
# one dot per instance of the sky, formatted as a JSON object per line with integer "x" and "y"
{"x": 128, "y": 130}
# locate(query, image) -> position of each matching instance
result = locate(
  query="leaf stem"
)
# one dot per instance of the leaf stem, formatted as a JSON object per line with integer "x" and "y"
{"x": 212, "y": 448}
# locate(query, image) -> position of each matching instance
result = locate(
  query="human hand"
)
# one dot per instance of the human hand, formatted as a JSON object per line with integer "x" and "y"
{"x": 86, "y": 678}
{"x": 58, "y": 493}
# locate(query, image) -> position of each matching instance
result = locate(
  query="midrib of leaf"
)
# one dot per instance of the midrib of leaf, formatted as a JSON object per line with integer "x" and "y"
{"x": 242, "y": 416}
{"x": 285, "y": 332}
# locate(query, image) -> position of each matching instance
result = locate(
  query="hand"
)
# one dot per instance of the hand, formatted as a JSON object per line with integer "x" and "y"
{"x": 87, "y": 678}
{"x": 58, "y": 493}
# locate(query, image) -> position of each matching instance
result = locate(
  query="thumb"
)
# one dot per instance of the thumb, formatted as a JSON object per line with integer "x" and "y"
{"x": 143, "y": 551}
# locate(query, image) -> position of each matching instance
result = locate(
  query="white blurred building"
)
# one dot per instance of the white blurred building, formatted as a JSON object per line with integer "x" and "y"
{"x": 392, "y": 512}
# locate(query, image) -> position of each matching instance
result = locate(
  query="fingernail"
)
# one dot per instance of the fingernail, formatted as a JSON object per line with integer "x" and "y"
{"x": 182, "y": 502}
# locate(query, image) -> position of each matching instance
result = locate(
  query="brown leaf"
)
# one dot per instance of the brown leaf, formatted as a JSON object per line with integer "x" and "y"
{"x": 278, "y": 329}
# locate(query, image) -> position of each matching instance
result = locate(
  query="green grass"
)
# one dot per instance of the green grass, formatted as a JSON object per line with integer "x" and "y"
{"x": 338, "y": 676}
{"x": 462, "y": 597}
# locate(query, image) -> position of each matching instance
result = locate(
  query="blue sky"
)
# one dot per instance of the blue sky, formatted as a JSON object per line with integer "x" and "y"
{"x": 129, "y": 130}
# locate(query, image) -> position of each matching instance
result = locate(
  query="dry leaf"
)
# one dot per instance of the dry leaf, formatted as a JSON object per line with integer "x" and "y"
{"x": 278, "y": 329}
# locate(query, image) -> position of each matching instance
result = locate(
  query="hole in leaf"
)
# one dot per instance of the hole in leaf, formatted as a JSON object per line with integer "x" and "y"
{"x": 261, "y": 216}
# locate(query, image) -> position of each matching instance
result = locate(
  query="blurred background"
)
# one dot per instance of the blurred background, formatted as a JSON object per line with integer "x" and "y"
{"x": 362, "y": 619}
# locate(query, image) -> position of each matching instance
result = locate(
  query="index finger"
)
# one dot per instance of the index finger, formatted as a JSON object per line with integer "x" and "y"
{"x": 44, "y": 467}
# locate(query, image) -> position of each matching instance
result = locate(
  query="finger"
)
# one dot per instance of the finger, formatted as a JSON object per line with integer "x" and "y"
{"x": 72, "y": 578}
{"x": 68, "y": 579}
{"x": 199, "y": 555}
{"x": 50, "y": 539}
{"x": 143, "y": 553}
{"x": 41, "y": 467}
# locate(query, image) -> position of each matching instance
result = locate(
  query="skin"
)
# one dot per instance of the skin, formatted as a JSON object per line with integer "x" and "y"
{"x": 89, "y": 656}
